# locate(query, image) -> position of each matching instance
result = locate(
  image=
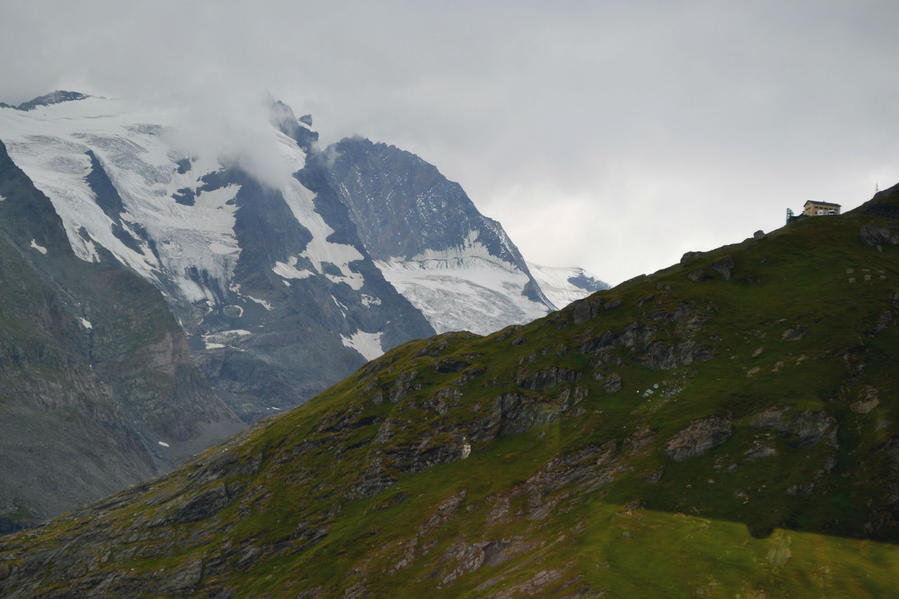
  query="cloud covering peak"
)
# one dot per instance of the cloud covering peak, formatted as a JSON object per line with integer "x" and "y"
{"x": 642, "y": 129}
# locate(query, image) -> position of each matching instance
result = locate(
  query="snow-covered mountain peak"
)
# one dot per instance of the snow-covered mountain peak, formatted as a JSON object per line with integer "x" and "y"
{"x": 121, "y": 187}
{"x": 287, "y": 265}
{"x": 454, "y": 264}
{"x": 563, "y": 285}
{"x": 226, "y": 219}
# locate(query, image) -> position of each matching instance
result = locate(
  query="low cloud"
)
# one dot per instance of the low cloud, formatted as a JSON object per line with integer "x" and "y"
{"x": 664, "y": 126}
{"x": 234, "y": 127}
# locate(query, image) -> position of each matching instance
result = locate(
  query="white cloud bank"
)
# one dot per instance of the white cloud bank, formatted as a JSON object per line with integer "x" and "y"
{"x": 608, "y": 135}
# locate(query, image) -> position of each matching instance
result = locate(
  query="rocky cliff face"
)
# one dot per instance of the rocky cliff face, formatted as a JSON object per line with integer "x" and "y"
{"x": 678, "y": 434}
{"x": 454, "y": 264}
{"x": 99, "y": 389}
{"x": 266, "y": 275}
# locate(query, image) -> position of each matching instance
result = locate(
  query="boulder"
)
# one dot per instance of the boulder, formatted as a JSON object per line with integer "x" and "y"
{"x": 698, "y": 275}
{"x": 724, "y": 266}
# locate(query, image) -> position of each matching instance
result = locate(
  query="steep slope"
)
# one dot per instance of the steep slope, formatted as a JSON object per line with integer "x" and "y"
{"x": 266, "y": 276}
{"x": 454, "y": 264}
{"x": 98, "y": 388}
{"x": 725, "y": 427}
{"x": 563, "y": 285}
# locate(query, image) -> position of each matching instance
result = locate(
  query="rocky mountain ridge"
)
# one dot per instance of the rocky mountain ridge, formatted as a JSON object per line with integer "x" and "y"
{"x": 458, "y": 267}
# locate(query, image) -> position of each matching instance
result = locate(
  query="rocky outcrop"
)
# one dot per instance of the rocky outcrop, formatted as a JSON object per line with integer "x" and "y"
{"x": 699, "y": 437}
{"x": 803, "y": 430}
{"x": 513, "y": 413}
{"x": 878, "y": 235}
{"x": 724, "y": 266}
{"x": 698, "y": 275}
{"x": 545, "y": 379}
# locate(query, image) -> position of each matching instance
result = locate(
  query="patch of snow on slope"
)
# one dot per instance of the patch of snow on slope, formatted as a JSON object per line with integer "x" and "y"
{"x": 320, "y": 250}
{"x": 38, "y": 247}
{"x": 50, "y": 145}
{"x": 369, "y": 300}
{"x": 463, "y": 288}
{"x": 556, "y": 285}
{"x": 261, "y": 302}
{"x": 289, "y": 270}
{"x": 224, "y": 338}
{"x": 235, "y": 288}
{"x": 367, "y": 344}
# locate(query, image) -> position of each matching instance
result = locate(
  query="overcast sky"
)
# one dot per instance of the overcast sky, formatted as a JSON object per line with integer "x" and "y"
{"x": 610, "y": 135}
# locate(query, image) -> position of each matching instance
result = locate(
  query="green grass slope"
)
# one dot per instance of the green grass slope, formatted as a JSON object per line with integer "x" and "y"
{"x": 727, "y": 427}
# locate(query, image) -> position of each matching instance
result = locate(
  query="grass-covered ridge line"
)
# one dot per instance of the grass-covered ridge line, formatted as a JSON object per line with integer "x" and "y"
{"x": 726, "y": 426}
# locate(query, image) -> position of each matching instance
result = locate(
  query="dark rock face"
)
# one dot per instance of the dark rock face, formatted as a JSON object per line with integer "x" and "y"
{"x": 873, "y": 235}
{"x": 543, "y": 380}
{"x": 700, "y": 437}
{"x": 206, "y": 504}
{"x": 107, "y": 197}
{"x": 298, "y": 129}
{"x": 514, "y": 413}
{"x": 96, "y": 372}
{"x": 613, "y": 383}
{"x": 588, "y": 283}
{"x": 803, "y": 430}
{"x": 650, "y": 351}
{"x": 724, "y": 266}
{"x": 402, "y": 206}
{"x": 109, "y": 200}
{"x": 698, "y": 275}
{"x": 52, "y": 98}
{"x": 661, "y": 356}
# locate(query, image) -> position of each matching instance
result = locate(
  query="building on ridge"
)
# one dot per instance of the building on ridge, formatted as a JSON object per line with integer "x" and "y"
{"x": 813, "y": 208}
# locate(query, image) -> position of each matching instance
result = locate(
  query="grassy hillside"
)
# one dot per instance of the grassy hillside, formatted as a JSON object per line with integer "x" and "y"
{"x": 726, "y": 427}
